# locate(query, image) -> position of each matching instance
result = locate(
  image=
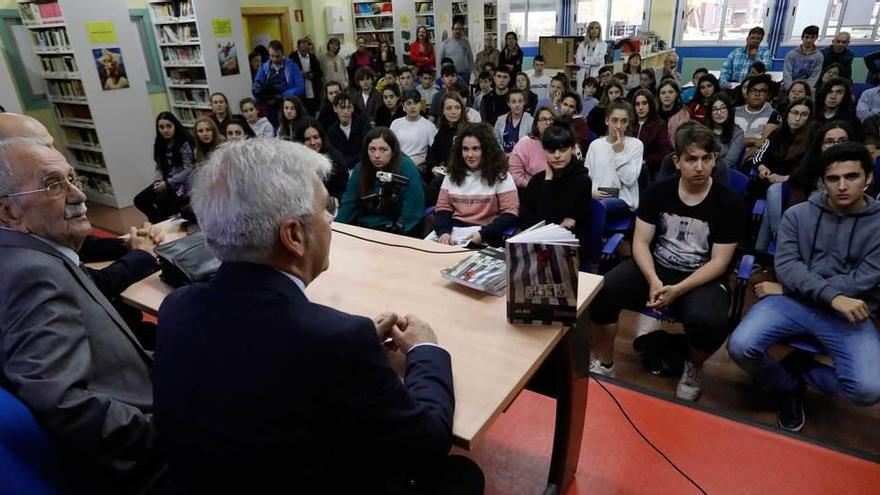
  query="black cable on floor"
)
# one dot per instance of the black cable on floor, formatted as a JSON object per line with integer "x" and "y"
{"x": 402, "y": 246}
{"x": 636, "y": 428}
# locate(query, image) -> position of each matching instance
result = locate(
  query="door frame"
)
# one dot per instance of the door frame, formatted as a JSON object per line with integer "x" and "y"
{"x": 284, "y": 12}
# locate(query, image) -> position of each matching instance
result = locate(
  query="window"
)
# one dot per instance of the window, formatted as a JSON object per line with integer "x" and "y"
{"x": 531, "y": 19}
{"x": 721, "y": 21}
{"x": 618, "y": 18}
{"x": 857, "y": 17}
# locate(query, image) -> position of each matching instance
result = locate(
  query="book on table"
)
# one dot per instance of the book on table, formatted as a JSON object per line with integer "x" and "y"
{"x": 542, "y": 276}
{"x": 484, "y": 270}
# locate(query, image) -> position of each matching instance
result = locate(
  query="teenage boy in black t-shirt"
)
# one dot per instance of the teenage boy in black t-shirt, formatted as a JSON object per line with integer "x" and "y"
{"x": 686, "y": 232}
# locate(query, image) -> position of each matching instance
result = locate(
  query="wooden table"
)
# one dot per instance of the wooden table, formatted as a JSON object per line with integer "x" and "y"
{"x": 492, "y": 360}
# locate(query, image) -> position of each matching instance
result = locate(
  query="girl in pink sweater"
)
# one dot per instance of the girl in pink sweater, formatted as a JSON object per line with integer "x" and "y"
{"x": 528, "y": 158}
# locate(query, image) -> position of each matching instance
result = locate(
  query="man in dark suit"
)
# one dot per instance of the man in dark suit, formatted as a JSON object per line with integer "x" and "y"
{"x": 311, "y": 72}
{"x": 259, "y": 389}
{"x": 64, "y": 350}
{"x": 347, "y": 134}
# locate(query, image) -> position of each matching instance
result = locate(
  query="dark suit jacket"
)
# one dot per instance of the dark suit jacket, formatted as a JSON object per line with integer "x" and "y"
{"x": 368, "y": 110}
{"x": 350, "y": 146}
{"x": 315, "y": 68}
{"x": 257, "y": 387}
{"x": 68, "y": 355}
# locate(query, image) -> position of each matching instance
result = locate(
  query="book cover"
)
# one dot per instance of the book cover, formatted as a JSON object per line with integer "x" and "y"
{"x": 485, "y": 271}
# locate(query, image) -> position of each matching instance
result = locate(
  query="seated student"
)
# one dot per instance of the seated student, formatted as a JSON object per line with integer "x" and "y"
{"x": 731, "y": 140}
{"x": 238, "y": 129}
{"x": 755, "y": 113}
{"x": 514, "y": 125}
{"x": 615, "y": 162}
{"x": 291, "y": 114}
{"x": 477, "y": 190}
{"x": 538, "y": 79}
{"x": 804, "y": 61}
{"x": 528, "y": 157}
{"x": 833, "y": 102}
{"x": 389, "y": 76}
{"x": 366, "y": 99}
{"x": 473, "y": 115}
{"x": 347, "y": 135}
{"x": 326, "y": 115}
{"x": 414, "y": 132}
{"x": 869, "y": 103}
{"x": 646, "y": 81}
{"x": 570, "y": 109}
{"x": 220, "y": 111}
{"x": 797, "y": 91}
{"x": 260, "y": 125}
{"x": 484, "y": 85}
{"x": 588, "y": 98}
{"x": 555, "y": 91}
{"x": 672, "y": 110}
{"x": 310, "y": 133}
{"x": 207, "y": 138}
{"x": 426, "y": 87}
{"x": 450, "y": 79}
{"x": 830, "y": 292}
{"x": 405, "y": 79}
{"x": 560, "y": 193}
{"x": 252, "y": 371}
{"x": 685, "y": 237}
{"x": 392, "y": 109}
{"x": 783, "y": 149}
{"x": 804, "y": 179}
{"x": 829, "y": 72}
{"x": 620, "y": 78}
{"x": 633, "y": 69}
{"x": 687, "y": 94}
{"x": 652, "y": 132}
{"x": 173, "y": 155}
{"x": 459, "y": 79}
{"x": 495, "y": 103}
{"x": 523, "y": 83}
{"x": 596, "y": 119}
{"x": 374, "y": 203}
{"x": 448, "y": 125}
{"x": 708, "y": 86}
{"x": 606, "y": 75}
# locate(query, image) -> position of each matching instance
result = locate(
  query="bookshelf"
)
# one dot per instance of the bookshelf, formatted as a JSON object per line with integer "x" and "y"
{"x": 375, "y": 21}
{"x": 96, "y": 130}
{"x": 426, "y": 16}
{"x": 490, "y": 18}
{"x": 191, "y": 36}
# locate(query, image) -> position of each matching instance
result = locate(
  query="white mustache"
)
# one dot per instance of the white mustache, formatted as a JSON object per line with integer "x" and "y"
{"x": 73, "y": 211}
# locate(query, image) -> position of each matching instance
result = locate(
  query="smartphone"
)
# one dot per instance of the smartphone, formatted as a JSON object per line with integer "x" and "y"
{"x": 612, "y": 192}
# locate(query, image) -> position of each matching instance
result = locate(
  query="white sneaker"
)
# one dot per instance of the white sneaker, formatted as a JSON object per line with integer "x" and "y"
{"x": 690, "y": 385}
{"x": 596, "y": 367}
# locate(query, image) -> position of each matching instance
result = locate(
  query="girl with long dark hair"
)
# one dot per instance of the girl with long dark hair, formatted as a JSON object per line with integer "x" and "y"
{"x": 651, "y": 131}
{"x": 512, "y": 54}
{"x": 173, "y": 154}
{"x": 784, "y": 149}
{"x": 730, "y": 137}
{"x": 310, "y": 133}
{"x": 672, "y": 110}
{"x": 707, "y": 86}
{"x": 292, "y": 112}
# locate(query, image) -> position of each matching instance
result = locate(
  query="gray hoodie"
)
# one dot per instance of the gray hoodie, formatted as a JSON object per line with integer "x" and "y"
{"x": 802, "y": 65}
{"x": 821, "y": 255}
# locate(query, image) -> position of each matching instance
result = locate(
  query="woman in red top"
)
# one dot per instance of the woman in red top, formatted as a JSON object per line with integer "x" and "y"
{"x": 707, "y": 85}
{"x": 422, "y": 52}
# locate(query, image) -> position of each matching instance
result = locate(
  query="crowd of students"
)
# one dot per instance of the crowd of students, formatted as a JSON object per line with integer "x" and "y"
{"x": 487, "y": 145}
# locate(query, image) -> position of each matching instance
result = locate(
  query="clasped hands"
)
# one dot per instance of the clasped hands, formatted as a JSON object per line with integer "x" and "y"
{"x": 404, "y": 332}
{"x": 145, "y": 238}
{"x": 662, "y": 296}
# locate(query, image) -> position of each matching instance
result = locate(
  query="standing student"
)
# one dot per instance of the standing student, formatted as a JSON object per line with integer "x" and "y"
{"x": 514, "y": 125}
{"x": 220, "y": 111}
{"x": 238, "y": 129}
{"x": 361, "y": 58}
{"x": 523, "y": 83}
{"x": 292, "y": 112}
{"x": 672, "y": 110}
{"x": 652, "y": 131}
{"x": 277, "y": 78}
{"x": 706, "y": 86}
{"x": 207, "y": 138}
{"x": 596, "y": 118}
{"x": 347, "y": 134}
{"x": 560, "y": 193}
{"x": 333, "y": 64}
{"x": 459, "y": 50}
{"x": 414, "y": 132}
{"x": 310, "y": 133}
{"x": 731, "y": 140}
{"x": 512, "y": 55}
{"x": 590, "y": 55}
{"x": 538, "y": 79}
{"x": 528, "y": 157}
{"x": 371, "y": 203}
{"x": 173, "y": 155}
{"x": 310, "y": 69}
{"x": 489, "y": 55}
{"x": 687, "y": 230}
{"x": 805, "y": 61}
{"x": 366, "y": 99}
{"x": 392, "y": 108}
{"x": 615, "y": 161}
{"x": 260, "y": 125}
{"x": 422, "y": 51}
{"x": 477, "y": 190}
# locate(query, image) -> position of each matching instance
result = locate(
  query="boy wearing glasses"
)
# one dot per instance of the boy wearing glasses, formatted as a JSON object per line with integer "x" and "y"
{"x": 754, "y": 115}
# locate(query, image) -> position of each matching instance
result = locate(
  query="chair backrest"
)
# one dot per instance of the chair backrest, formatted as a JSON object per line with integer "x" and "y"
{"x": 28, "y": 460}
{"x": 597, "y": 230}
{"x": 738, "y": 181}
{"x": 859, "y": 88}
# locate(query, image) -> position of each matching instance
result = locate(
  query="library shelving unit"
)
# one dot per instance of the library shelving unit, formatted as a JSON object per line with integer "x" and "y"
{"x": 490, "y": 18}
{"x": 460, "y": 9}
{"x": 425, "y": 16}
{"x": 374, "y": 21}
{"x": 194, "y": 38}
{"x": 106, "y": 134}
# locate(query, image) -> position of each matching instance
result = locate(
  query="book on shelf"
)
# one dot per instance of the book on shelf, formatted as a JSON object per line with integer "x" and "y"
{"x": 37, "y": 13}
{"x": 542, "y": 276}
{"x": 484, "y": 270}
{"x": 85, "y": 137}
{"x": 173, "y": 9}
{"x": 80, "y": 113}
{"x": 375, "y": 23}
{"x": 65, "y": 63}
{"x": 424, "y": 8}
{"x": 182, "y": 54}
{"x": 72, "y": 90}
{"x": 376, "y": 38}
{"x": 190, "y": 96}
{"x": 92, "y": 159}
{"x": 373, "y": 8}
{"x": 178, "y": 34}
{"x": 50, "y": 39}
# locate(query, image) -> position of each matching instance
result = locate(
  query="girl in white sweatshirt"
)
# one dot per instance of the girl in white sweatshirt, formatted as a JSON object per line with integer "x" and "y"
{"x": 615, "y": 160}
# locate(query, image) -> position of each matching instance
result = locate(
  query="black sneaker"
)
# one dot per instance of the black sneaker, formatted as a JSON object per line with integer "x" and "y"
{"x": 791, "y": 410}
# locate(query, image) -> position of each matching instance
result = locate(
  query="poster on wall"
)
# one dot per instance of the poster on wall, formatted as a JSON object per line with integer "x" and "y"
{"x": 228, "y": 58}
{"x": 111, "y": 68}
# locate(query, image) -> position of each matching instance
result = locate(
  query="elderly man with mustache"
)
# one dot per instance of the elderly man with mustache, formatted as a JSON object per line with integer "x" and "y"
{"x": 64, "y": 350}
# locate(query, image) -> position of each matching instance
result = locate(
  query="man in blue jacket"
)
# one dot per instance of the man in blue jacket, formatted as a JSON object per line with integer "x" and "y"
{"x": 828, "y": 261}
{"x": 277, "y": 78}
{"x": 258, "y": 389}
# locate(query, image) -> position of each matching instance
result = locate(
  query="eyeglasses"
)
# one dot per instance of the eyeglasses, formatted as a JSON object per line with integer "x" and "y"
{"x": 800, "y": 115}
{"x": 833, "y": 142}
{"x": 56, "y": 189}
{"x": 546, "y": 120}
{"x": 759, "y": 91}
{"x": 719, "y": 109}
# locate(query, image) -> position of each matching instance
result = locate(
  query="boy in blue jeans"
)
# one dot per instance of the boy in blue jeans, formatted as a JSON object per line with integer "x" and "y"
{"x": 828, "y": 262}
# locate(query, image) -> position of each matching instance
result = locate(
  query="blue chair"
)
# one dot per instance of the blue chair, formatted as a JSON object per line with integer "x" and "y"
{"x": 28, "y": 461}
{"x": 859, "y": 88}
